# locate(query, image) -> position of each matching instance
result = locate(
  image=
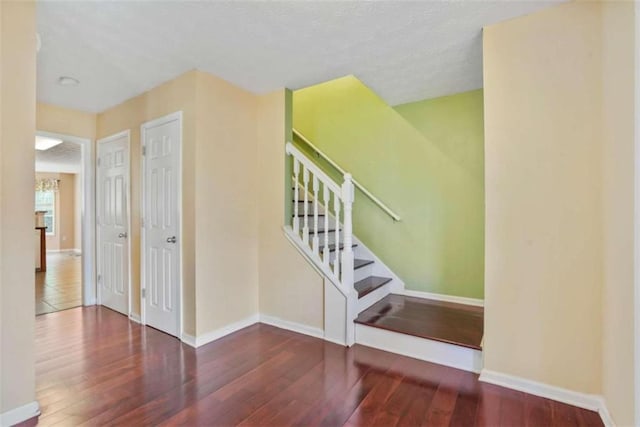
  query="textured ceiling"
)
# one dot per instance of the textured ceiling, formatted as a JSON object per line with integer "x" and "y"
{"x": 405, "y": 51}
{"x": 63, "y": 158}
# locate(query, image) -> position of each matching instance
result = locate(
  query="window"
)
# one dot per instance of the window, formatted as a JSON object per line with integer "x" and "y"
{"x": 46, "y": 201}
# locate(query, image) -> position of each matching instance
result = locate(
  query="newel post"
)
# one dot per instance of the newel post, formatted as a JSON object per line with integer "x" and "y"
{"x": 348, "y": 196}
{"x": 347, "y": 252}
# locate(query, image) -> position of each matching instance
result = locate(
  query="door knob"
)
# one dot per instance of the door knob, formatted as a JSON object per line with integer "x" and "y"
{"x": 123, "y": 235}
{"x": 171, "y": 239}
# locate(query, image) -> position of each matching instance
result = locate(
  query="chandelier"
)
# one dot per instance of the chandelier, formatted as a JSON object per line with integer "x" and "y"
{"x": 47, "y": 184}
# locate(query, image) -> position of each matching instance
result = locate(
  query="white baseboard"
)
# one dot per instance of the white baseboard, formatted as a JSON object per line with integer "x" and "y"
{"x": 135, "y": 318}
{"x": 63, "y": 251}
{"x": 446, "y": 298}
{"x": 189, "y": 340}
{"x": 454, "y": 356}
{"x": 20, "y": 414}
{"x": 591, "y": 402}
{"x": 291, "y": 326}
{"x": 603, "y": 411}
{"x": 208, "y": 337}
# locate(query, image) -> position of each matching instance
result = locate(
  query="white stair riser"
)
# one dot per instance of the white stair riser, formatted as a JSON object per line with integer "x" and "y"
{"x": 310, "y": 223}
{"x": 438, "y": 352}
{"x": 373, "y": 297}
{"x": 362, "y": 273}
{"x": 310, "y": 207}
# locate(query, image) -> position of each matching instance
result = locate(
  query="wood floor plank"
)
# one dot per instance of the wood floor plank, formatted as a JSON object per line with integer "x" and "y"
{"x": 94, "y": 367}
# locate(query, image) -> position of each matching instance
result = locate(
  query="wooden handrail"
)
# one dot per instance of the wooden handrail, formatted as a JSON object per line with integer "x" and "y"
{"x": 361, "y": 187}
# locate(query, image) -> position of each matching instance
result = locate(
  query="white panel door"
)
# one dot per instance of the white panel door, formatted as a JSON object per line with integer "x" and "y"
{"x": 113, "y": 222}
{"x": 161, "y": 223}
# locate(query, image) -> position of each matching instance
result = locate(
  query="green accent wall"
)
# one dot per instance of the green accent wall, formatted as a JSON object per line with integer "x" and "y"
{"x": 425, "y": 161}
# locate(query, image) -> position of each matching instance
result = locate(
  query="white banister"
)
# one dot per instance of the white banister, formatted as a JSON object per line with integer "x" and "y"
{"x": 325, "y": 249}
{"x": 315, "y": 214}
{"x": 347, "y": 252}
{"x": 296, "y": 173}
{"x": 305, "y": 228}
{"x": 361, "y": 187}
{"x": 338, "y": 203}
{"x": 336, "y": 258}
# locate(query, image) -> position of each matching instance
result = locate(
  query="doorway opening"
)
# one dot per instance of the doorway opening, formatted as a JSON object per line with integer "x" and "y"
{"x": 64, "y": 234}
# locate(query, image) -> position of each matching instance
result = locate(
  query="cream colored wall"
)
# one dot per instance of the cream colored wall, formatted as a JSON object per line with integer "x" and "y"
{"x": 176, "y": 95}
{"x": 543, "y": 171}
{"x": 618, "y": 191}
{"x": 17, "y": 132}
{"x": 289, "y": 287}
{"x": 222, "y": 168}
{"x": 226, "y": 204}
{"x": 54, "y": 119}
{"x": 65, "y": 215}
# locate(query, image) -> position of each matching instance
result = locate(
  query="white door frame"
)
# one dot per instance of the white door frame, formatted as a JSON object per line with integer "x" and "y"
{"x": 143, "y": 267}
{"x": 127, "y": 134}
{"x": 636, "y": 231}
{"x": 88, "y": 214}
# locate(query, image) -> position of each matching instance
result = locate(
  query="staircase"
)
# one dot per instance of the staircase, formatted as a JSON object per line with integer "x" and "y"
{"x": 366, "y": 303}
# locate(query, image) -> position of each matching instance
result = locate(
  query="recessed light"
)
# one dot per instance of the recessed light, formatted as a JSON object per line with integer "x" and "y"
{"x": 44, "y": 143}
{"x": 68, "y": 81}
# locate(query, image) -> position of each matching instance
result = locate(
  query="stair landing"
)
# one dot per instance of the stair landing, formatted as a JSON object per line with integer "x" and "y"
{"x": 447, "y": 322}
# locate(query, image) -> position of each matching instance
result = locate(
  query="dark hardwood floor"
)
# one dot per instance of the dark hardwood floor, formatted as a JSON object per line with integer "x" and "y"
{"x": 95, "y": 367}
{"x": 442, "y": 321}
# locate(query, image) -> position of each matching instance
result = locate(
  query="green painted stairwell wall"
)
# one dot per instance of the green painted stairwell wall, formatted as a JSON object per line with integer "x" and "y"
{"x": 425, "y": 161}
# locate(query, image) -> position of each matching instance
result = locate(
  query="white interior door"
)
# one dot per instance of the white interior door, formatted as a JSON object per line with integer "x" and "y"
{"x": 113, "y": 222}
{"x": 161, "y": 223}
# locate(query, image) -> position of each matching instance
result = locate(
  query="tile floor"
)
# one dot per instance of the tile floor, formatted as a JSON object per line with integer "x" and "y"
{"x": 60, "y": 287}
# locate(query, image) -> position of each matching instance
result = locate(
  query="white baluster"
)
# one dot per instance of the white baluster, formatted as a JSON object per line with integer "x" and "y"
{"x": 316, "y": 188}
{"x": 327, "y": 203}
{"x": 336, "y": 210}
{"x": 305, "y": 228}
{"x": 347, "y": 252}
{"x": 296, "y": 174}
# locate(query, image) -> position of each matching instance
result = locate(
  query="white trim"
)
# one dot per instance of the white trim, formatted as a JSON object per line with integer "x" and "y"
{"x": 591, "y": 402}
{"x": 143, "y": 128}
{"x": 20, "y": 414}
{"x": 451, "y": 355}
{"x": 208, "y": 337}
{"x": 446, "y": 298}
{"x": 135, "y": 318}
{"x": 62, "y": 251}
{"x": 114, "y": 137}
{"x": 603, "y": 411}
{"x": 292, "y": 326}
{"x": 636, "y": 221}
{"x": 88, "y": 214}
{"x": 190, "y": 340}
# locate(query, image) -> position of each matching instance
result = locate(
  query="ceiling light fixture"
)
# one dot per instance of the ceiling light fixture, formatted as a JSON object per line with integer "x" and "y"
{"x": 68, "y": 81}
{"x": 44, "y": 143}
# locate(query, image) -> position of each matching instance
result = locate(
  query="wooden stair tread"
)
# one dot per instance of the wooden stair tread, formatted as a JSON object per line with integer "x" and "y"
{"x": 370, "y": 284}
{"x": 451, "y": 323}
{"x": 301, "y": 214}
{"x": 331, "y": 230}
{"x": 332, "y": 247}
{"x": 359, "y": 263}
